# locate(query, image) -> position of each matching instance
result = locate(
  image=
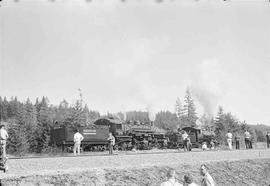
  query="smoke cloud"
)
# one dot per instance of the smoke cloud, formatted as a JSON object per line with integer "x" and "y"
{"x": 207, "y": 85}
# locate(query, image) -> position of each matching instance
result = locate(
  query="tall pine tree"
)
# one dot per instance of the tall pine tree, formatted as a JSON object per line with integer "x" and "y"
{"x": 178, "y": 108}
{"x": 44, "y": 122}
{"x": 189, "y": 116}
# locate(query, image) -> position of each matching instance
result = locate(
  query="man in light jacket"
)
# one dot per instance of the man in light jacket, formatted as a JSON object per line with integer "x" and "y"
{"x": 77, "y": 142}
{"x": 3, "y": 140}
{"x": 229, "y": 139}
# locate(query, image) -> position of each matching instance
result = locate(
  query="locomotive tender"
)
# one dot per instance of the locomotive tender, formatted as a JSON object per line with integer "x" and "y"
{"x": 95, "y": 136}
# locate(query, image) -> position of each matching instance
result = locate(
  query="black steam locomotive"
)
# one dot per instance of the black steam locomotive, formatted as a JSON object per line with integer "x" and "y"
{"x": 128, "y": 135}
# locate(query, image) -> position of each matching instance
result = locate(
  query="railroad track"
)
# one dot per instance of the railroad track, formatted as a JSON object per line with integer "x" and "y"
{"x": 97, "y": 154}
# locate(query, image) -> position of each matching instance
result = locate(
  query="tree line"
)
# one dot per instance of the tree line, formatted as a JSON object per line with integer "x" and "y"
{"x": 185, "y": 115}
{"x": 29, "y": 124}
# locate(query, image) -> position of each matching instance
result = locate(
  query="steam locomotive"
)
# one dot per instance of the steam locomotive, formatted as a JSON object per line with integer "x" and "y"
{"x": 128, "y": 135}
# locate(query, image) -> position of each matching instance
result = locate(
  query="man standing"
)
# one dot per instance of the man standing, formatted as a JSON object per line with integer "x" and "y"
{"x": 3, "y": 140}
{"x": 185, "y": 140}
{"x": 77, "y": 142}
{"x": 111, "y": 140}
{"x": 189, "y": 144}
{"x": 268, "y": 139}
{"x": 237, "y": 141}
{"x": 229, "y": 139}
{"x": 250, "y": 141}
{"x": 247, "y": 139}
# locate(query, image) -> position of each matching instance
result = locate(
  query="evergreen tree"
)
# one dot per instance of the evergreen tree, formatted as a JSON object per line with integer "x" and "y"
{"x": 18, "y": 138}
{"x": 76, "y": 117}
{"x": 93, "y": 115}
{"x": 44, "y": 122}
{"x": 219, "y": 122}
{"x": 189, "y": 116}
{"x": 30, "y": 122}
{"x": 225, "y": 122}
{"x": 17, "y": 142}
{"x": 5, "y": 109}
{"x": 85, "y": 116}
{"x": 62, "y": 112}
{"x": 13, "y": 107}
{"x": 231, "y": 123}
{"x": 30, "y": 115}
{"x": 166, "y": 120}
{"x": 178, "y": 108}
{"x": 137, "y": 116}
{"x": 2, "y": 114}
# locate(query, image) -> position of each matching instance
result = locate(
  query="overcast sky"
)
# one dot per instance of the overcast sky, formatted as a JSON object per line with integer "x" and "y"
{"x": 139, "y": 55}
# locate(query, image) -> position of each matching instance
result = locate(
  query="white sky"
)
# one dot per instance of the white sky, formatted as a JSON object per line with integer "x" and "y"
{"x": 139, "y": 54}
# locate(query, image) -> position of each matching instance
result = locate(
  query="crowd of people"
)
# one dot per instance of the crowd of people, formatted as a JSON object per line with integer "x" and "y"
{"x": 237, "y": 139}
{"x": 207, "y": 179}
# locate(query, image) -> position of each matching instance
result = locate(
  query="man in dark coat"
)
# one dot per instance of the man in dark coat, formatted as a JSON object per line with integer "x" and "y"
{"x": 237, "y": 141}
{"x": 268, "y": 139}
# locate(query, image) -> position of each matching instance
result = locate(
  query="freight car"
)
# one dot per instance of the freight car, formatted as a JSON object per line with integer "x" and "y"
{"x": 95, "y": 136}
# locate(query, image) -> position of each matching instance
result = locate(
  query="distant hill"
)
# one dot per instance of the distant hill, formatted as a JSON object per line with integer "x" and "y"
{"x": 260, "y": 130}
{"x": 261, "y": 127}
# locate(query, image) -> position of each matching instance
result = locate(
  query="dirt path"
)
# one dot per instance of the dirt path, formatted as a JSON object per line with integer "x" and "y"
{"x": 25, "y": 167}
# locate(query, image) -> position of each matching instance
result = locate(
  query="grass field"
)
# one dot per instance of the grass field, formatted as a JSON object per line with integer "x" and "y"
{"x": 243, "y": 167}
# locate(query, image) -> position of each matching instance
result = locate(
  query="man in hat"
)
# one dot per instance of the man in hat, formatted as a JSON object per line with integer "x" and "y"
{"x": 3, "y": 140}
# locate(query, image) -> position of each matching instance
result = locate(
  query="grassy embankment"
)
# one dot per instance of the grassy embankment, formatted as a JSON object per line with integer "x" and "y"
{"x": 226, "y": 173}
